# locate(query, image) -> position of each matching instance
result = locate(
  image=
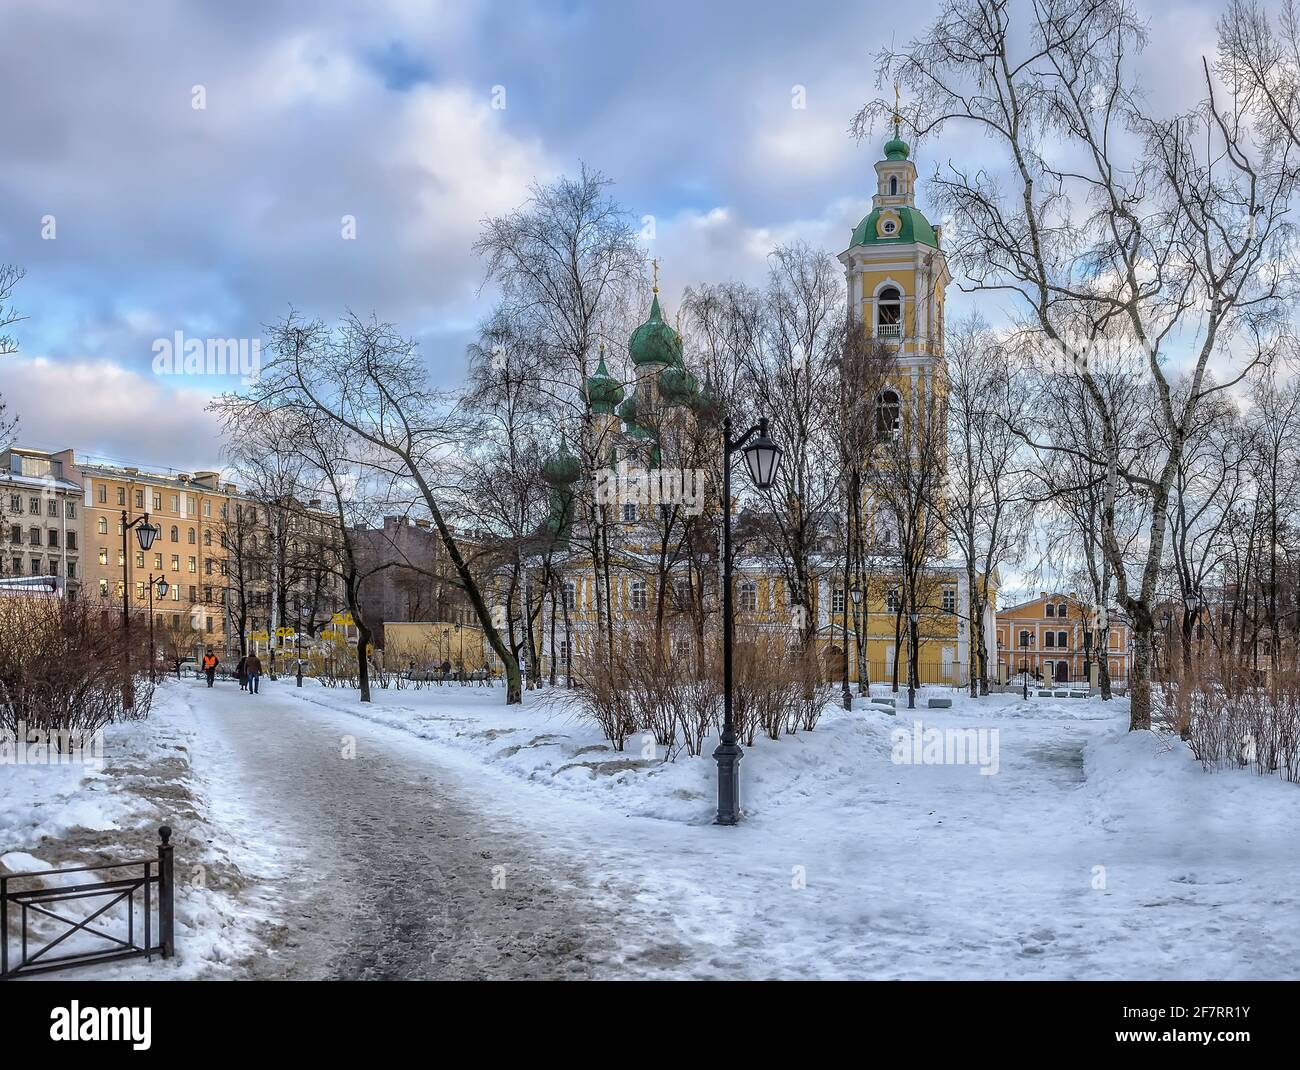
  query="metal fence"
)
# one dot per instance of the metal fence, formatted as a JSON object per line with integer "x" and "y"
{"x": 153, "y": 883}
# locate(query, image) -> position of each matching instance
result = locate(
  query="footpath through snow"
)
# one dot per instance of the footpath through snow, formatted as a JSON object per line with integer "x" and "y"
{"x": 467, "y": 838}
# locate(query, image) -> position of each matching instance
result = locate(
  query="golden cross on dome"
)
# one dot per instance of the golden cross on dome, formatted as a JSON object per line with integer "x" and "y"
{"x": 898, "y": 118}
{"x": 655, "y": 264}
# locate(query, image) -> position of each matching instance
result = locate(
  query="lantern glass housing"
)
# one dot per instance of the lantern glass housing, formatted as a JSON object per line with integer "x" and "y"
{"x": 163, "y": 587}
{"x": 762, "y": 458}
{"x": 855, "y": 592}
{"x": 146, "y": 533}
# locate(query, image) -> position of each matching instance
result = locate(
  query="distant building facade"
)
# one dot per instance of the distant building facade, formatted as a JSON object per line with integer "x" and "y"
{"x": 40, "y": 517}
{"x": 1057, "y": 637}
{"x": 408, "y": 576}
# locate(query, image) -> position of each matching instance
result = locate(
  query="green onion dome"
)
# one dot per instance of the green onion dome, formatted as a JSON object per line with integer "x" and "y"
{"x": 896, "y": 148}
{"x": 707, "y": 406}
{"x": 677, "y": 386}
{"x": 603, "y": 390}
{"x": 627, "y": 413}
{"x": 654, "y": 342}
{"x": 562, "y": 467}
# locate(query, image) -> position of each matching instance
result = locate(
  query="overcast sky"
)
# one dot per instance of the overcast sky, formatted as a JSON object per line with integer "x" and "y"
{"x": 212, "y": 221}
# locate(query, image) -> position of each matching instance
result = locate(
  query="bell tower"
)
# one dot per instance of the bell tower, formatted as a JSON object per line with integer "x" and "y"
{"x": 895, "y": 268}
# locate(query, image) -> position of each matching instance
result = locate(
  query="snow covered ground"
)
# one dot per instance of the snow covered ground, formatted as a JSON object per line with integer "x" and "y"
{"x": 64, "y": 816}
{"x": 1090, "y": 852}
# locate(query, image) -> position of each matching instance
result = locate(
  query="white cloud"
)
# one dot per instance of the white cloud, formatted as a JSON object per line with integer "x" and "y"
{"x": 99, "y": 407}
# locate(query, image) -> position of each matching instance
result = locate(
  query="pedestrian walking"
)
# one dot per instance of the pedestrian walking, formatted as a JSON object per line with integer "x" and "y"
{"x": 210, "y": 663}
{"x": 254, "y": 670}
{"x": 241, "y": 671}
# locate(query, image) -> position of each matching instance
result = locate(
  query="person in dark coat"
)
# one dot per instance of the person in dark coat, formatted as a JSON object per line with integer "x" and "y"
{"x": 253, "y": 667}
{"x": 242, "y": 672}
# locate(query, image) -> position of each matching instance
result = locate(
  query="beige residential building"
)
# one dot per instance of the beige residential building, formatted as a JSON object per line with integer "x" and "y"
{"x": 187, "y": 553}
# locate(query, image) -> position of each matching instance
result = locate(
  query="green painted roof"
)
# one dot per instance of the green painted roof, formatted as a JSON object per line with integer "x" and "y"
{"x": 677, "y": 386}
{"x": 896, "y": 148}
{"x": 913, "y": 227}
{"x": 654, "y": 342}
{"x": 562, "y": 467}
{"x": 603, "y": 390}
{"x": 627, "y": 412}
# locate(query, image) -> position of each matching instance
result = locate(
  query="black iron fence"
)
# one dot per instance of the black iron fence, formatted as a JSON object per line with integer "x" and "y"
{"x": 146, "y": 927}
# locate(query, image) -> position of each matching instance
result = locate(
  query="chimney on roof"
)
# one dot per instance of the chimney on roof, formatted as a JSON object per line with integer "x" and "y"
{"x": 314, "y": 503}
{"x": 1042, "y": 594}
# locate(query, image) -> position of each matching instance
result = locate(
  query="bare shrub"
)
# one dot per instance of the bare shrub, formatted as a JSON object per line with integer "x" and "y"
{"x": 1233, "y": 716}
{"x": 605, "y": 695}
{"x": 62, "y": 668}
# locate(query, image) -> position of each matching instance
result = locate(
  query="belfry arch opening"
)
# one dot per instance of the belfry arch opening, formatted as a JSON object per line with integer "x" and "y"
{"x": 889, "y": 313}
{"x": 888, "y": 408}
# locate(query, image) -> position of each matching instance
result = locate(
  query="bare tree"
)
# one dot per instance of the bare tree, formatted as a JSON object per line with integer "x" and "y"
{"x": 566, "y": 263}
{"x": 791, "y": 373}
{"x": 369, "y": 380}
{"x": 984, "y": 504}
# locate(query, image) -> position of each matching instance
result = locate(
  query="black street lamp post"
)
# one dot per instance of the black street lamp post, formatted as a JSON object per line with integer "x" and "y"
{"x": 145, "y": 533}
{"x": 855, "y": 594}
{"x": 912, "y": 660}
{"x": 844, "y": 611}
{"x": 762, "y": 456}
{"x": 1024, "y": 663}
{"x": 163, "y": 588}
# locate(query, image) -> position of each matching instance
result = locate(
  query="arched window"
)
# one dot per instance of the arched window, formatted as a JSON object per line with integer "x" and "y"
{"x": 889, "y": 313}
{"x": 176, "y": 533}
{"x": 887, "y": 409}
{"x": 893, "y": 185}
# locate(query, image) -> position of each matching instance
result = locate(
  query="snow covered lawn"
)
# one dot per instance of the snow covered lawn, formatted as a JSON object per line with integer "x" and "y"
{"x": 62, "y": 816}
{"x": 1091, "y": 852}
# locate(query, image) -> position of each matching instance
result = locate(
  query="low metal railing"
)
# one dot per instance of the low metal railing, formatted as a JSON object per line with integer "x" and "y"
{"x": 156, "y": 887}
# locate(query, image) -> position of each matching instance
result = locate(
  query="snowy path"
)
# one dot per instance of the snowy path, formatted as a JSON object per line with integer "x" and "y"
{"x": 1092, "y": 853}
{"x": 383, "y": 867}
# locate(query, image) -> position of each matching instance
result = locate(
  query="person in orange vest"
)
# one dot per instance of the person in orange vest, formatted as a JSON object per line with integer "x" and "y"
{"x": 210, "y": 663}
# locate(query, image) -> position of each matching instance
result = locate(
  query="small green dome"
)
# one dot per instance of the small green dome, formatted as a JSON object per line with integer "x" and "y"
{"x": 707, "y": 406}
{"x": 896, "y": 148}
{"x": 654, "y": 342}
{"x": 912, "y": 227}
{"x": 627, "y": 412}
{"x": 677, "y": 386}
{"x": 603, "y": 391}
{"x": 562, "y": 467}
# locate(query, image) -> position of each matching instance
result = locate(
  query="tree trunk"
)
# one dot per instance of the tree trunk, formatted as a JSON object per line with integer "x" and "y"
{"x": 363, "y": 659}
{"x": 1140, "y": 683}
